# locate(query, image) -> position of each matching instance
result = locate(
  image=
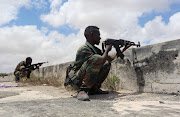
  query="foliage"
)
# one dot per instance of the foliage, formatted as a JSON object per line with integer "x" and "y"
{"x": 111, "y": 83}
{"x": 50, "y": 81}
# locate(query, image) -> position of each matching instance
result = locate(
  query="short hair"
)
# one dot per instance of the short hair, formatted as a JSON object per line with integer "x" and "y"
{"x": 90, "y": 29}
{"x": 28, "y": 58}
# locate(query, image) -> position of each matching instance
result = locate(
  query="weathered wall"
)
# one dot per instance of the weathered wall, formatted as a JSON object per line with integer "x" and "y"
{"x": 58, "y": 71}
{"x": 157, "y": 67}
{"x": 153, "y": 68}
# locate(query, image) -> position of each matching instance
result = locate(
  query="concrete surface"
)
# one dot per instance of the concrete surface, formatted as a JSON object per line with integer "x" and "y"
{"x": 48, "y": 101}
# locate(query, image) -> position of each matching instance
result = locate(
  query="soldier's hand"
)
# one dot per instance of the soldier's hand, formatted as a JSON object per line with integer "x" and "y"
{"x": 129, "y": 45}
{"x": 31, "y": 67}
{"x": 108, "y": 48}
{"x": 37, "y": 67}
{"x": 126, "y": 47}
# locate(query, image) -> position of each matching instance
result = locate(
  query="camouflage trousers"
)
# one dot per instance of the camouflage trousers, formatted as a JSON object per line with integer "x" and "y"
{"x": 22, "y": 74}
{"x": 93, "y": 72}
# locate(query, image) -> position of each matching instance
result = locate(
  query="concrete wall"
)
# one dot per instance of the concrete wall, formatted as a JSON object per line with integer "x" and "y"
{"x": 153, "y": 68}
{"x": 157, "y": 67}
{"x": 57, "y": 71}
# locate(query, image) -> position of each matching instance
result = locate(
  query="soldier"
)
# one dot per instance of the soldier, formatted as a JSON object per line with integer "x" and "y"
{"x": 23, "y": 69}
{"x": 93, "y": 66}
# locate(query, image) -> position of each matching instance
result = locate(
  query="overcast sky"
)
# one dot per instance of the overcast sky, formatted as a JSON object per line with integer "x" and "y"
{"x": 52, "y": 30}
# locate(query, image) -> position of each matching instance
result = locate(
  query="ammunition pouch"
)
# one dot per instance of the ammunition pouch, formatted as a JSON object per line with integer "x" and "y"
{"x": 71, "y": 77}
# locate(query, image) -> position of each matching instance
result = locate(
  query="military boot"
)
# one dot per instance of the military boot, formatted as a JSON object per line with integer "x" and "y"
{"x": 17, "y": 79}
{"x": 94, "y": 91}
{"x": 82, "y": 94}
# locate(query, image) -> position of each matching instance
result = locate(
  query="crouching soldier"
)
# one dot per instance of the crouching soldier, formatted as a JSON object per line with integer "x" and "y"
{"x": 23, "y": 69}
{"x": 91, "y": 66}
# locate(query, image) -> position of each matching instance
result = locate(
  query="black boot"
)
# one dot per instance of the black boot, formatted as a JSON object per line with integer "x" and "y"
{"x": 94, "y": 91}
{"x": 16, "y": 79}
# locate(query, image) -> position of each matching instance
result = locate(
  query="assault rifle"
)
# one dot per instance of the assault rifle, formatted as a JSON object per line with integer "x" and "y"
{"x": 118, "y": 44}
{"x": 35, "y": 66}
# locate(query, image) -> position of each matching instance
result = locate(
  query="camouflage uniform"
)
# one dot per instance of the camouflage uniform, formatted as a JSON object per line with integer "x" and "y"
{"x": 91, "y": 70}
{"x": 20, "y": 73}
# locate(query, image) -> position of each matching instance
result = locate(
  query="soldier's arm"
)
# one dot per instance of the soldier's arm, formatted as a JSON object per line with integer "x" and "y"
{"x": 105, "y": 55}
{"x": 112, "y": 57}
{"x": 83, "y": 54}
{"x": 20, "y": 66}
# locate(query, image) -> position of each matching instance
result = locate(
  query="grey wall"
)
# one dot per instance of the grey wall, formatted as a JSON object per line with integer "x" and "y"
{"x": 153, "y": 68}
{"x": 157, "y": 67}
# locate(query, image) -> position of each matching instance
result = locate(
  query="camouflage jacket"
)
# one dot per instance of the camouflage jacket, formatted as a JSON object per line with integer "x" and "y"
{"x": 84, "y": 53}
{"x": 21, "y": 66}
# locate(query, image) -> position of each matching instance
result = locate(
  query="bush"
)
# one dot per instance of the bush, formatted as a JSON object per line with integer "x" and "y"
{"x": 111, "y": 83}
{"x": 34, "y": 80}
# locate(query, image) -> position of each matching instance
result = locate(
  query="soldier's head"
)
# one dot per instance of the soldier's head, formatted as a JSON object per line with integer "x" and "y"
{"x": 28, "y": 60}
{"x": 92, "y": 35}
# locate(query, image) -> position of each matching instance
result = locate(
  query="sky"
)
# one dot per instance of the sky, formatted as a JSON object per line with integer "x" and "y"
{"x": 53, "y": 30}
